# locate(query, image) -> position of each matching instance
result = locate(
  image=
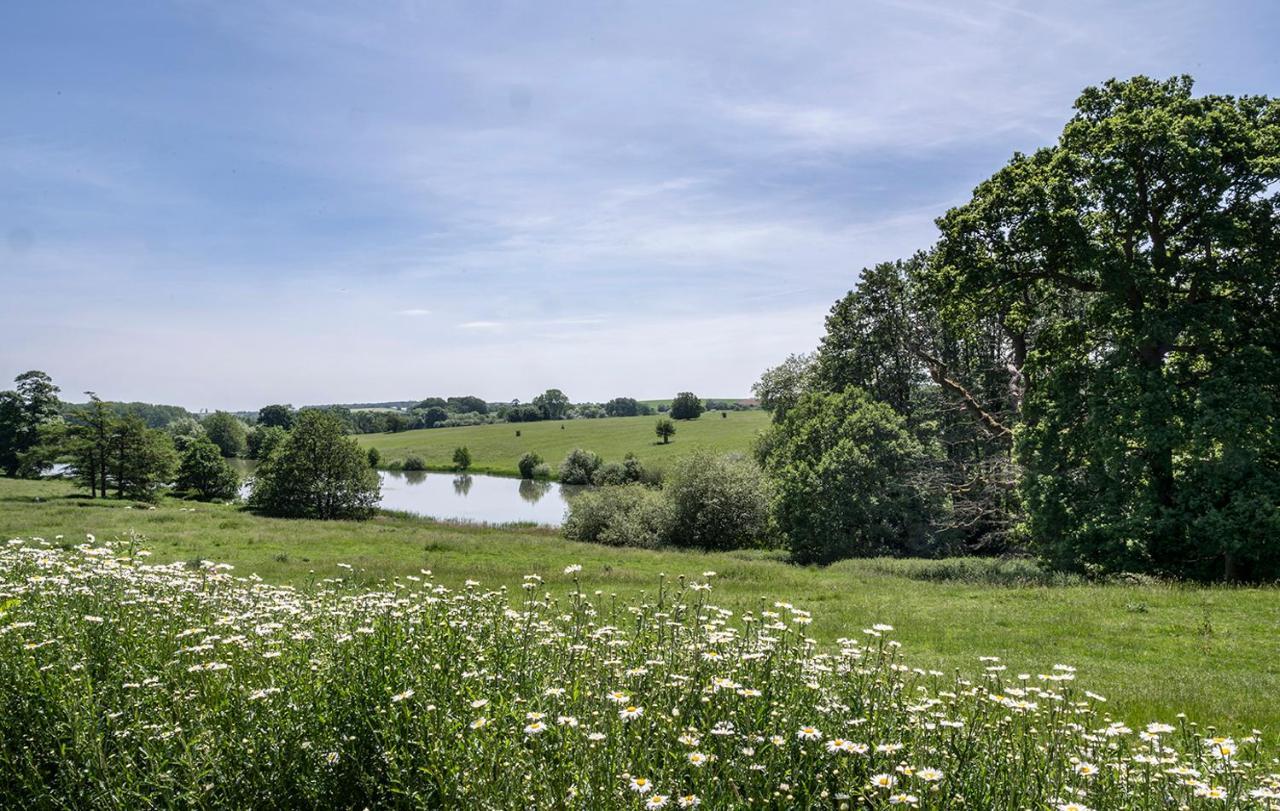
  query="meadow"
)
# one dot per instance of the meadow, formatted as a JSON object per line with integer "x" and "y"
{"x": 128, "y": 683}
{"x": 1153, "y": 650}
{"x": 496, "y": 448}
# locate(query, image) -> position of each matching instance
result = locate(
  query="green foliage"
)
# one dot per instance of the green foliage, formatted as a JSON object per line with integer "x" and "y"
{"x": 529, "y": 463}
{"x": 686, "y": 406}
{"x": 579, "y": 467}
{"x": 467, "y": 405}
{"x": 375, "y": 457}
{"x": 227, "y": 432}
{"x": 846, "y": 475}
{"x": 317, "y": 472}
{"x": 184, "y": 431}
{"x": 720, "y": 501}
{"x": 108, "y": 453}
{"x": 413, "y": 462}
{"x": 622, "y": 407}
{"x": 33, "y": 403}
{"x": 665, "y": 429}
{"x": 1139, "y": 258}
{"x": 553, "y": 404}
{"x": 263, "y": 439}
{"x": 276, "y": 416}
{"x": 628, "y": 515}
{"x": 629, "y": 471}
{"x": 461, "y": 458}
{"x": 204, "y": 472}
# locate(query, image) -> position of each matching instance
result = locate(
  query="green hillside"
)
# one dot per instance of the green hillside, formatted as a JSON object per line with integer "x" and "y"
{"x": 496, "y": 448}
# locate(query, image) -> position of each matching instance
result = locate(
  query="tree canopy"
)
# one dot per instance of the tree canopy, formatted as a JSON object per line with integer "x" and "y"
{"x": 317, "y": 472}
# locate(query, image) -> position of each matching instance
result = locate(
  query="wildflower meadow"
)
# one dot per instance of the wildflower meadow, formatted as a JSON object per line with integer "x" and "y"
{"x": 130, "y": 684}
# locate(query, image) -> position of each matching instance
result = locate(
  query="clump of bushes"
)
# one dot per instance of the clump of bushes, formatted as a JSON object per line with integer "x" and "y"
{"x": 719, "y": 502}
{"x": 413, "y": 462}
{"x": 529, "y": 464}
{"x": 579, "y": 467}
{"x": 712, "y": 502}
{"x": 628, "y": 515}
{"x": 461, "y": 458}
{"x": 628, "y": 471}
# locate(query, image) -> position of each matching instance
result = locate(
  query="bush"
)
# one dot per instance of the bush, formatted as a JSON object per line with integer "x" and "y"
{"x": 528, "y": 464}
{"x": 204, "y": 473}
{"x": 318, "y": 472}
{"x": 628, "y": 471}
{"x": 630, "y": 515}
{"x": 719, "y": 502}
{"x": 579, "y": 467}
{"x": 845, "y": 469}
{"x": 461, "y": 458}
{"x": 395, "y": 464}
{"x": 375, "y": 457}
{"x": 413, "y": 462}
{"x": 542, "y": 471}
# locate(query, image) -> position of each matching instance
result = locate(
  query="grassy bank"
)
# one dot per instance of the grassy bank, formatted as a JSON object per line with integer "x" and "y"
{"x": 497, "y": 449}
{"x": 1153, "y": 650}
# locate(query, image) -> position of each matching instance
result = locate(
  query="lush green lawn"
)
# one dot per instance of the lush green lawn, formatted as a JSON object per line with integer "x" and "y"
{"x": 1213, "y": 653}
{"x": 497, "y": 449}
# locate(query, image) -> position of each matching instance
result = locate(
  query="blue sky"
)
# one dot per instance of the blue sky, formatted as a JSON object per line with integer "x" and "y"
{"x": 223, "y": 204}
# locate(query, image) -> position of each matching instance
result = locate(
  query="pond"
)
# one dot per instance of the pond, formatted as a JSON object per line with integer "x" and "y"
{"x": 458, "y": 497}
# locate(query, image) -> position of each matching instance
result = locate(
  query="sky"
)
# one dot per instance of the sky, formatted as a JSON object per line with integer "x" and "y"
{"x": 226, "y": 204}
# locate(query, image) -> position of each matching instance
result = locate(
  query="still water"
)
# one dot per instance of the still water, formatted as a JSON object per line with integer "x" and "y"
{"x": 449, "y": 496}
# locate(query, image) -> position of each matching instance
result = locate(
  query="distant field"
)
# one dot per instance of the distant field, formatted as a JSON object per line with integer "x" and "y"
{"x": 497, "y": 449}
{"x": 1152, "y": 650}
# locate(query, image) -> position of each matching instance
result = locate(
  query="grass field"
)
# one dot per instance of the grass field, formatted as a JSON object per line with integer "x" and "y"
{"x": 1153, "y": 650}
{"x": 497, "y": 449}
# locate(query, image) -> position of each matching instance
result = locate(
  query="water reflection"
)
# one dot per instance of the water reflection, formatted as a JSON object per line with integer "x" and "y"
{"x": 462, "y": 484}
{"x": 415, "y": 476}
{"x": 532, "y": 490}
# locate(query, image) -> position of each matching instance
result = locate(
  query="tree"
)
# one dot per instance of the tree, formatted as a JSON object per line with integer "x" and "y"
{"x": 263, "y": 439}
{"x": 622, "y": 407}
{"x": 184, "y": 431}
{"x": 844, "y": 468}
{"x": 276, "y": 416}
{"x": 227, "y": 432}
{"x": 665, "y": 429}
{"x": 553, "y": 404}
{"x": 686, "y": 406}
{"x": 782, "y": 386}
{"x": 432, "y": 416}
{"x": 467, "y": 405}
{"x": 528, "y": 464}
{"x": 317, "y": 472}
{"x": 32, "y": 403}
{"x": 719, "y": 502}
{"x": 1135, "y": 265}
{"x": 204, "y": 472}
{"x": 140, "y": 460}
{"x": 579, "y": 467}
{"x": 88, "y": 444}
{"x": 375, "y": 458}
{"x": 461, "y": 458}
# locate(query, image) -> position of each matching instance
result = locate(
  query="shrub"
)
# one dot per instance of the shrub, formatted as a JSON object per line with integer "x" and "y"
{"x": 375, "y": 457}
{"x": 413, "y": 462}
{"x": 630, "y": 515}
{"x": 719, "y": 502}
{"x": 542, "y": 471}
{"x": 395, "y": 464}
{"x": 628, "y": 471}
{"x": 845, "y": 471}
{"x": 318, "y": 472}
{"x": 579, "y": 467}
{"x": 528, "y": 464}
{"x": 204, "y": 473}
{"x": 461, "y": 458}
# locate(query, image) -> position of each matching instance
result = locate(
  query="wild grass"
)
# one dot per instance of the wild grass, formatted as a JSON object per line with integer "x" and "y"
{"x": 497, "y": 449}
{"x": 1153, "y": 649}
{"x": 126, "y": 684}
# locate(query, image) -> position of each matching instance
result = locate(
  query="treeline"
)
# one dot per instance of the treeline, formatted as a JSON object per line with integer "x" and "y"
{"x": 1084, "y": 366}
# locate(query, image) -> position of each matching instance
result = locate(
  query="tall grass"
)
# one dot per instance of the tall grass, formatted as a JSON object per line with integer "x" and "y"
{"x": 128, "y": 685}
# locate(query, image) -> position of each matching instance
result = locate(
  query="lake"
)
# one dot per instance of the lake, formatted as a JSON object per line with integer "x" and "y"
{"x": 458, "y": 497}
